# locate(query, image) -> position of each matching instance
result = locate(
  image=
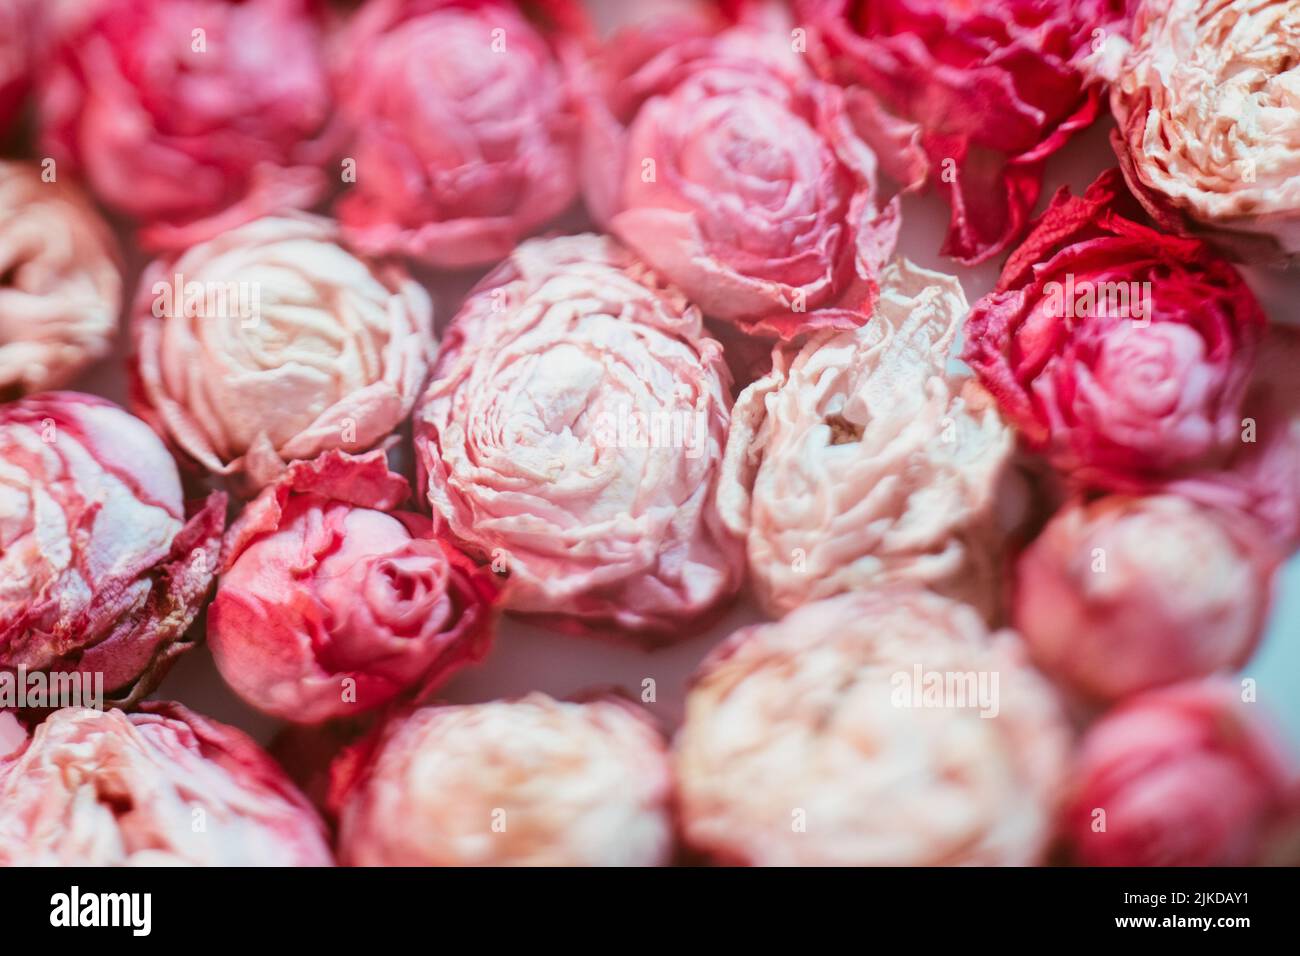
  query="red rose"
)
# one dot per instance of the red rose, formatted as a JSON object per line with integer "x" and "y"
{"x": 192, "y": 116}
{"x": 997, "y": 87}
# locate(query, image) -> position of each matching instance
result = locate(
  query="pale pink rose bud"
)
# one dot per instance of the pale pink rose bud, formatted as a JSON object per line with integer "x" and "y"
{"x": 161, "y": 787}
{"x": 863, "y": 459}
{"x": 273, "y": 343}
{"x": 190, "y": 116}
{"x": 1123, "y": 594}
{"x": 1206, "y": 114}
{"x": 572, "y": 436}
{"x": 101, "y": 573}
{"x": 61, "y": 290}
{"x": 463, "y": 137}
{"x": 1189, "y": 775}
{"x": 331, "y": 602}
{"x": 879, "y": 727}
{"x": 529, "y": 782}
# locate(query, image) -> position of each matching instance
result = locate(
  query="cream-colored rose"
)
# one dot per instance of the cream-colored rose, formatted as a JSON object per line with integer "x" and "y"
{"x": 864, "y": 458}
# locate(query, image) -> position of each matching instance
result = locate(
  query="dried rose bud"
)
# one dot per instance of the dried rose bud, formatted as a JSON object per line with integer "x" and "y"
{"x": 273, "y": 343}
{"x": 192, "y": 117}
{"x": 332, "y": 603}
{"x": 572, "y": 435}
{"x": 1188, "y": 775}
{"x": 863, "y": 459}
{"x": 60, "y": 282}
{"x": 716, "y": 155}
{"x": 162, "y": 787}
{"x": 879, "y": 727}
{"x": 1206, "y": 113}
{"x": 463, "y": 136}
{"x": 1123, "y": 594}
{"x": 100, "y": 572}
{"x": 530, "y": 782}
{"x": 17, "y": 31}
{"x": 996, "y": 86}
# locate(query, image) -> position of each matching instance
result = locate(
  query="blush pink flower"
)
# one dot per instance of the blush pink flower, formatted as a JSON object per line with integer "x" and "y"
{"x": 530, "y": 782}
{"x": 1207, "y": 120}
{"x": 332, "y": 603}
{"x": 1122, "y": 354}
{"x": 190, "y": 116}
{"x": 996, "y": 87}
{"x": 1188, "y": 775}
{"x": 463, "y": 134}
{"x": 273, "y": 343}
{"x": 573, "y": 435}
{"x": 100, "y": 572}
{"x": 105, "y": 788}
{"x": 863, "y": 459}
{"x": 1123, "y": 594}
{"x": 60, "y": 282}
{"x": 881, "y": 727}
{"x": 718, "y": 157}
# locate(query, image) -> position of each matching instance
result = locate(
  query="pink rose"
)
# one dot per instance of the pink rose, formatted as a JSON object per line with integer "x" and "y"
{"x": 1206, "y": 113}
{"x": 463, "y": 135}
{"x": 105, "y": 788}
{"x": 1123, "y": 594}
{"x": 718, "y": 157}
{"x": 273, "y": 343}
{"x": 191, "y": 116}
{"x": 62, "y": 286}
{"x": 863, "y": 459}
{"x": 572, "y": 435}
{"x": 1183, "y": 776}
{"x": 100, "y": 572}
{"x": 332, "y": 603}
{"x": 877, "y": 728}
{"x": 996, "y": 87}
{"x": 530, "y": 782}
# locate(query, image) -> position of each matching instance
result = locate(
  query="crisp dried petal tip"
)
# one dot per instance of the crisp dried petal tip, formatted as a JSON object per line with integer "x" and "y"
{"x": 879, "y": 727}
{"x": 722, "y": 161}
{"x": 273, "y": 343}
{"x": 331, "y": 604}
{"x": 100, "y": 571}
{"x": 863, "y": 459}
{"x": 463, "y": 135}
{"x": 149, "y": 103}
{"x": 161, "y": 787}
{"x": 531, "y": 782}
{"x": 1207, "y": 120}
{"x": 60, "y": 282}
{"x": 1189, "y": 775}
{"x": 1124, "y": 594}
{"x": 996, "y": 87}
{"x": 572, "y": 436}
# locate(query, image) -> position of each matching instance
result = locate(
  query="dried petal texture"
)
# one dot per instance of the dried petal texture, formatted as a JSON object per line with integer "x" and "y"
{"x": 17, "y": 32}
{"x": 190, "y": 116}
{"x": 529, "y": 782}
{"x": 1208, "y": 122}
{"x": 573, "y": 434}
{"x": 863, "y": 459}
{"x": 1188, "y": 775}
{"x": 100, "y": 572}
{"x": 463, "y": 134}
{"x": 1124, "y": 594}
{"x": 719, "y": 158}
{"x": 331, "y": 602}
{"x": 813, "y": 740}
{"x": 60, "y": 282}
{"x": 996, "y": 87}
{"x": 105, "y": 788}
{"x": 1120, "y": 353}
{"x": 273, "y": 343}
